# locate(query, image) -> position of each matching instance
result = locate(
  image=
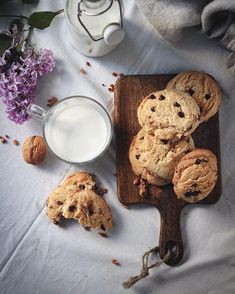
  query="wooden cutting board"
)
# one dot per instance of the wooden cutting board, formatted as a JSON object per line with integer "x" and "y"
{"x": 129, "y": 92}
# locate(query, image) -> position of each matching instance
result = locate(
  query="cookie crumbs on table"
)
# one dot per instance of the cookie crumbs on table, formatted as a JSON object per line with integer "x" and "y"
{"x": 16, "y": 142}
{"x": 115, "y": 262}
{"x": 115, "y": 74}
{"x": 51, "y": 101}
{"x": 82, "y": 71}
{"x": 104, "y": 235}
{"x": 88, "y": 63}
{"x": 3, "y": 140}
{"x": 111, "y": 88}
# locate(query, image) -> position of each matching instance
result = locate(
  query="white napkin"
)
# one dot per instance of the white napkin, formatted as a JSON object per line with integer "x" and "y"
{"x": 216, "y": 19}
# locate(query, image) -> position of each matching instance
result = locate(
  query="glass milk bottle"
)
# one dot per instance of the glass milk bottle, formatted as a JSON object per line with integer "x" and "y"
{"x": 95, "y": 26}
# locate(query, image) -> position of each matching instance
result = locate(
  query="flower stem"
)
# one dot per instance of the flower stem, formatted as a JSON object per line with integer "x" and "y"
{"x": 30, "y": 30}
{"x": 12, "y": 15}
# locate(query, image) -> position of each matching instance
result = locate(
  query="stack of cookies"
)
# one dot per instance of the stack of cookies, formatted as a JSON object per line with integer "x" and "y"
{"x": 163, "y": 151}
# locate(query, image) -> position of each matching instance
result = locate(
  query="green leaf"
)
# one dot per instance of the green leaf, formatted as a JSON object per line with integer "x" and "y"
{"x": 5, "y": 43}
{"x": 42, "y": 20}
{"x": 30, "y": 1}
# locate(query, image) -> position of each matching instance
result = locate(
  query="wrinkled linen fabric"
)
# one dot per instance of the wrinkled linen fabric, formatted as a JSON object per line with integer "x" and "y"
{"x": 40, "y": 258}
{"x": 216, "y": 19}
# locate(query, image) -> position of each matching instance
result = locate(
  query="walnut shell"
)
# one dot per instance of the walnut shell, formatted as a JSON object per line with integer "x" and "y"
{"x": 34, "y": 150}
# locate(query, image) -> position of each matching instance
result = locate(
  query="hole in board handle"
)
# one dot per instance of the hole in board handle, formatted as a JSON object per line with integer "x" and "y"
{"x": 171, "y": 246}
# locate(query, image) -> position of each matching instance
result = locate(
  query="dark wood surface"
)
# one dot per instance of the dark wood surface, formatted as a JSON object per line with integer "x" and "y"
{"x": 129, "y": 91}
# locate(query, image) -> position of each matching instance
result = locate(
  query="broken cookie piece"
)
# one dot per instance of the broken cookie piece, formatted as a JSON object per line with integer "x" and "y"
{"x": 77, "y": 199}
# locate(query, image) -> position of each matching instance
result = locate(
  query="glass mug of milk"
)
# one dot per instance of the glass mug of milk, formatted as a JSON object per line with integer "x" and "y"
{"x": 76, "y": 129}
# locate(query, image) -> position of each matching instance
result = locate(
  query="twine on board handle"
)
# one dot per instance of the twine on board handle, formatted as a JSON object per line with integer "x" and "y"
{"x": 146, "y": 267}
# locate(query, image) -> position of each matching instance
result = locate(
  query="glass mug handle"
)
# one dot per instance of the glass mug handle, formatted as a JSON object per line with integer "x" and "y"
{"x": 36, "y": 111}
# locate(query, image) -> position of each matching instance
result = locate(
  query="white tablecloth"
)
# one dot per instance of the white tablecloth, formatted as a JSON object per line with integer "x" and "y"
{"x": 39, "y": 257}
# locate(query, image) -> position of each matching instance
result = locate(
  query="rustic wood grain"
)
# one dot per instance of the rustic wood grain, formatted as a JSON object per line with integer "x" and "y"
{"x": 129, "y": 91}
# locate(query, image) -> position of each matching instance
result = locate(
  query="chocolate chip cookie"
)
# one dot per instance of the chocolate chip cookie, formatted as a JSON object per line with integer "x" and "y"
{"x": 169, "y": 114}
{"x": 195, "y": 175}
{"x": 157, "y": 156}
{"x": 77, "y": 198}
{"x": 202, "y": 88}
{"x": 137, "y": 165}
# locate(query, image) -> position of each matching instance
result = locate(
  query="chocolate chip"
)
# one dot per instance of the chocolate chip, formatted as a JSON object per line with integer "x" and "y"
{"x": 82, "y": 187}
{"x": 207, "y": 96}
{"x": 55, "y": 222}
{"x": 72, "y": 208}
{"x": 176, "y": 104}
{"x": 59, "y": 202}
{"x": 153, "y": 109}
{"x": 190, "y": 91}
{"x": 89, "y": 210}
{"x": 198, "y": 161}
{"x": 152, "y": 96}
{"x": 201, "y": 110}
{"x": 181, "y": 114}
{"x": 194, "y": 185}
{"x": 142, "y": 138}
{"x": 162, "y": 97}
{"x": 164, "y": 141}
{"x": 191, "y": 193}
{"x": 137, "y": 156}
{"x": 102, "y": 227}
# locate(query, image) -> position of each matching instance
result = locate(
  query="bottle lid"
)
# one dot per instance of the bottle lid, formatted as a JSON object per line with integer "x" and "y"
{"x": 113, "y": 34}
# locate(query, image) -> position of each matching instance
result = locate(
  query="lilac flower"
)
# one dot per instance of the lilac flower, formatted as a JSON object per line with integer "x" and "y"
{"x": 19, "y": 73}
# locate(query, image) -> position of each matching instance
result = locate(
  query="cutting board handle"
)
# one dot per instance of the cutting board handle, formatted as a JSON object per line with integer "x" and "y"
{"x": 170, "y": 233}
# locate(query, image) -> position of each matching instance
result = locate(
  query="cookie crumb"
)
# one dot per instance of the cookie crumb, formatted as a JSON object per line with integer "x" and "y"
{"x": 104, "y": 235}
{"x": 136, "y": 181}
{"x": 16, "y": 142}
{"x": 114, "y": 261}
{"x": 3, "y": 140}
{"x": 103, "y": 85}
{"x": 111, "y": 88}
{"x": 121, "y": 74}
{"x": 115, "y": 74}
{"x": 7, "y": 136}
{"x": 101, "y": 191}
{"x": 88, "y": 63}
{"x": 82, "y": 71}
{"x": 87, "y": 229}
{"x": 51, "y": 101}
{"x": 125, "y": 206}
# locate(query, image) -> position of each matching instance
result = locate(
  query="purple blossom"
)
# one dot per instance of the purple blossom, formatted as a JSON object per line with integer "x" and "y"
{"x": 19, "y": 73}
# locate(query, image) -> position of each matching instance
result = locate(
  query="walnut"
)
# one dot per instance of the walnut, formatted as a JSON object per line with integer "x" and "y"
{"x": 34, "y": 150}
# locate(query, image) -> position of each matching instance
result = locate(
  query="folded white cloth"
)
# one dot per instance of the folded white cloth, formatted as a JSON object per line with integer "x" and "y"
{"x": 216, "y": 19}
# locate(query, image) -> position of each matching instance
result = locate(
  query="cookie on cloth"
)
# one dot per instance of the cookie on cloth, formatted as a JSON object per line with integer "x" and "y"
{"x": 138, "y": 167}
{"x": 195, "y": 175}
{"x": 77, "y": 198}
{"x": 157, "y": 156}
{"x": 203, "y": 89}
{"x": 169, "y": 114}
